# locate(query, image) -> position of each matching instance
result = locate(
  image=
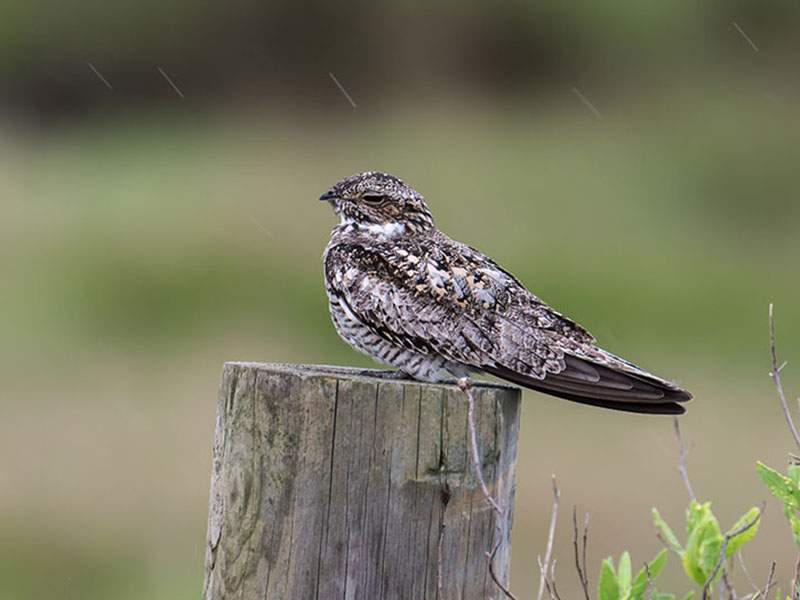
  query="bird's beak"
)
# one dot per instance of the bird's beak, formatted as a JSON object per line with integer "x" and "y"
{"x": 328, "y": 196}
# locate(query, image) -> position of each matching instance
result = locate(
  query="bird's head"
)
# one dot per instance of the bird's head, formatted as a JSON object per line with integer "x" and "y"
{"x": 381, "y": 203}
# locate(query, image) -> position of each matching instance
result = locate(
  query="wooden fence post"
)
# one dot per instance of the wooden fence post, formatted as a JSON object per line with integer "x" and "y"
{"x": 330, "y": 483}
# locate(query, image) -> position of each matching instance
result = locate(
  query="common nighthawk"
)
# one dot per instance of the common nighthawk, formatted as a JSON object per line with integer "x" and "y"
{"x": 404, "y": 293}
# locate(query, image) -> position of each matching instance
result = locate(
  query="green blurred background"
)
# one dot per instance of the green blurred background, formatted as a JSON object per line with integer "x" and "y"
{"x": 146, "y": 238}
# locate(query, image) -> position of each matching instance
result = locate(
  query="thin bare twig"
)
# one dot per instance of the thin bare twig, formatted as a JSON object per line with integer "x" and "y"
{"x": 684, "y": 452}
{"x": 550, "y": 537}
{"x": 553, "y": 577}
{"x": 722, "y": 549}
{"x": 756, "y": 589}
{"x": 728, "y": 586}
{"x": 543, "y": 572}
{"x": 465, "y": 383}
{"x": 727, "y": 578}
{"x": 581, "y": 570}
{"x": 663, "y": 541}
{"x": 777, "y": 377}
{"x": 769, "y": 581}
{"x": 649, "y": 582}
{"x": 585, "y": 539}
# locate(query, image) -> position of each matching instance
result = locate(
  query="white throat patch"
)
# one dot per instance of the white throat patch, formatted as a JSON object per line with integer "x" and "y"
{"x": 387, "y": 230}
{"x": 382, "y": 230}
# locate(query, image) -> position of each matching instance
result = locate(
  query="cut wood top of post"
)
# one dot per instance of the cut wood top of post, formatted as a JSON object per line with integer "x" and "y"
{"x": 370, "y": 375}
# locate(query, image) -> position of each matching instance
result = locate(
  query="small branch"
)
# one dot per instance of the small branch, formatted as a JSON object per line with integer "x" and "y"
{"x": 664, "y": 542}
{"x": 722, "y": 549}
{"x": 581, "y": 571}
{"x": 585, "y": 570}
{"x": 553, "y": 576}
{"x": 649, "y": 582}
{"x": 682, "y": 465}
{"x": 728, "y": 586}
{"x": 777, "y": 377}
{"x": 543, "y": 575}
{"x": 465, "y": 383}
{"x": 552, "y": 592}
{"x": 769, "y": 580}
{"x": 756, "y": 589}
{"x": 550, "y": 537}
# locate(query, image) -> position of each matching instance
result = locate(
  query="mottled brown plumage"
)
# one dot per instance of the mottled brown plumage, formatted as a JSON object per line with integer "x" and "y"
{"x": 404, "y": 293}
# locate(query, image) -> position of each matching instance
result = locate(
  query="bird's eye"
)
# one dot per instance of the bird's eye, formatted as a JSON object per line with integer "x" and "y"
{"x": 373, "y": 197}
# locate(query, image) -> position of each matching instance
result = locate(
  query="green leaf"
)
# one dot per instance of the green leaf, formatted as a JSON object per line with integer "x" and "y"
{"x": 702, "y": 548}
{"x": 689, "y": 596}
{"x": 794, "y": 522}
{"x": 639, "y": 585}
{"x": 658, "y": 563}
{"x": 607, "y": 586}
{"x": 657, "y": 596}
{"x": 691, "y": 564}
{"x": 783, "y": 487}
{"x": 624, "y": 575}
{"x": 794, "y": 473}
{"x": 640, "y": 582}
{"x": 695, "y": 513}
{"x": 667, "y": 532}
{"x": 737, "y": 541}
{"x": 710, "y": 546}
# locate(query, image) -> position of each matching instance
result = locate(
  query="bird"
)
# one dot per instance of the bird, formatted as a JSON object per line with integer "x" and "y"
{"x": 406, "y": 294}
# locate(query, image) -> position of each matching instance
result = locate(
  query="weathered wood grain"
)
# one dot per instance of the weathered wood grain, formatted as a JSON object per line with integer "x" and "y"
{"x": 328, "y": 483}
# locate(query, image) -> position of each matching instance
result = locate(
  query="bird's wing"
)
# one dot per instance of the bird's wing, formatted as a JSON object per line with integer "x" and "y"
{"x": 436, "y": 295}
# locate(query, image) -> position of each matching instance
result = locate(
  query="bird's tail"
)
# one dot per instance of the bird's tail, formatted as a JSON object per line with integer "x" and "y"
{"x": 588, "y": 382}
